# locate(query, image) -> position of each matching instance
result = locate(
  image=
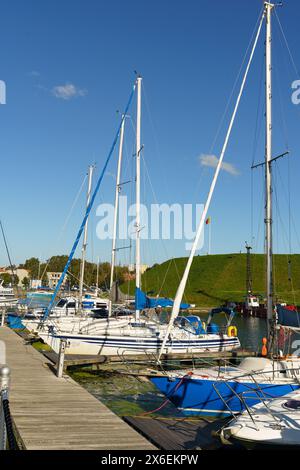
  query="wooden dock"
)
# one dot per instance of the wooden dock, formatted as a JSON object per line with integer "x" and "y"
{"x": 58, "y": 414}
{"x": 179, "y": 433}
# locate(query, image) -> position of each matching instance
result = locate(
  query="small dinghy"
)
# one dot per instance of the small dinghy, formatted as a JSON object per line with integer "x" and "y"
{"x": 270, "y": 424}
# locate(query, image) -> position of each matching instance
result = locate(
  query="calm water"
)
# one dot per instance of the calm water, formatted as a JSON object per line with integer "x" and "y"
{"x": 131, "y": 396}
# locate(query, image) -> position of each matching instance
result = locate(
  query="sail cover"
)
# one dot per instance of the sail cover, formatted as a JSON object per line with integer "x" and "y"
{"x": 288, "y": 316}
{"x": 142, "y": 301}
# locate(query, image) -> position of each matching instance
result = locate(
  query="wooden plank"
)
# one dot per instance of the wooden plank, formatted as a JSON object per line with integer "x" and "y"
{"x": 53, "y": 413}
{"x": 178, "y": 434}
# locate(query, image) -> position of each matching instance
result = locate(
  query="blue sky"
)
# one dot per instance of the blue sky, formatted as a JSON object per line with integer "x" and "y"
{"x": 189, "y": 54}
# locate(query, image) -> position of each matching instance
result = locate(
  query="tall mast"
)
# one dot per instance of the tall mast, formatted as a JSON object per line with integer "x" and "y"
{"x": 268, "y": 168}
{"x": 97, "y": 277}
{"x": 118, "y": 187}
{"x": 138, "y": 192}
{"x": 182, "y": 284}
{"x": 249, "y": 274}
{"x": 84, "y": 243}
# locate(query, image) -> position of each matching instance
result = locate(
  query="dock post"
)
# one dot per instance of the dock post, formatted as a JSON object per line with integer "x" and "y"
{"x": 2, "y": 317}
{"x": 61, "y": 358}
{"x": 4, "y": 386}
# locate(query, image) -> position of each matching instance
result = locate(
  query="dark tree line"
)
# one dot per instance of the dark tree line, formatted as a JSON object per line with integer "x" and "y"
{"x": 39, "y": 270}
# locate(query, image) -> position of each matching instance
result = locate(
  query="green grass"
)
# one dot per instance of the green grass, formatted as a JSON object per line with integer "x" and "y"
{"x": 215, "y": 279}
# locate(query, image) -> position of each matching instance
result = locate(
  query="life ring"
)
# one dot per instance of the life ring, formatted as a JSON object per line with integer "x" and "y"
{"x": 232, "y": 331}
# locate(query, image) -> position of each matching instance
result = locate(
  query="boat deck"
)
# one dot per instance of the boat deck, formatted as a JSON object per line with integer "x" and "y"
{"x": 51, "y": 413}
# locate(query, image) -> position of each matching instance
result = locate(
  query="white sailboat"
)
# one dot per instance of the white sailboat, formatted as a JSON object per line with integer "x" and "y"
{"x": 276, "y": 374}
{"x": 139, "y": 335}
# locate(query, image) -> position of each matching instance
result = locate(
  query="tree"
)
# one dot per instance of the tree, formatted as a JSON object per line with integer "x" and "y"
{"x": 25, "y": 282}
{"x": 33, "y": 266}
{"x": 7, "y": 279}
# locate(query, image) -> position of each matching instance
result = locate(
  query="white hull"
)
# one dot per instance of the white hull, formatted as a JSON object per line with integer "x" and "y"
{"x": 276, "y": 424}
{"x": 133, "y": 342}
{"x": 8, "y": 302}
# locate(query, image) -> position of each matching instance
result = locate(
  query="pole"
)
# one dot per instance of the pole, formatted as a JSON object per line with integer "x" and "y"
{"x": 248, "y": 275}
{"x": 116, "y": 211}
{"x": 268, "y": 170}
{"x": 85, "y": 234}
{"x": 61, "y": 358}
{"x": 138, "y": 194}
{"x": 181, "y": 287}
{"x": 97, "y": 277}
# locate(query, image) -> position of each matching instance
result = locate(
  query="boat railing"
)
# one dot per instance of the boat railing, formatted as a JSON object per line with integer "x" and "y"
{"x": 258, "y": 394}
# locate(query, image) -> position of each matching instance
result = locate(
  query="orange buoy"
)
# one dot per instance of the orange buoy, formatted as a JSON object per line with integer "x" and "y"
{"x": 264, "y": 350}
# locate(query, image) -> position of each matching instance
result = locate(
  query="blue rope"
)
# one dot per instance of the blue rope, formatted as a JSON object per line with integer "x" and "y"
{"x": 87, "y": 213}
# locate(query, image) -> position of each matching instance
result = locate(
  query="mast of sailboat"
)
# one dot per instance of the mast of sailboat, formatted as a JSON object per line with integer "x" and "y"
{"x": 8, "y": 254}
{"x": 116, "y": 211}
{"x": 85, "y": 235}
{"x": 138, "y": 193}
{"x": 181, "y": 287}
{"x": 268, "y": 170}
{"x": 97, "y": 277}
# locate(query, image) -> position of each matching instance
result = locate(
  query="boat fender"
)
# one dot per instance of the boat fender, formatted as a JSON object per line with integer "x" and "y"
{"x": 232, "y": 331}
{"x": 264, "y": 349}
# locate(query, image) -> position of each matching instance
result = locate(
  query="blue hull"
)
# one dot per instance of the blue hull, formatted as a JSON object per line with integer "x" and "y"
{"x": 199, "y": 397}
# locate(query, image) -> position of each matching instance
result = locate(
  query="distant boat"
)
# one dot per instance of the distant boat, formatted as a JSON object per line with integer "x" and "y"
{"x": 7, "y": 296}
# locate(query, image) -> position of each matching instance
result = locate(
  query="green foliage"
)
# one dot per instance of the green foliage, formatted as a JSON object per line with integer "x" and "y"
{"x": 215, "y": 279}
{"x": 57, "y": 264}
{"x": 25, "y": 282}
{"x": 9, "y": 279}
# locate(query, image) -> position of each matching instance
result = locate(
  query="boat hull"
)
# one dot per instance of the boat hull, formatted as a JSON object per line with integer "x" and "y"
{"x": 113, "y": 345}
{"x": 199, "y": 397}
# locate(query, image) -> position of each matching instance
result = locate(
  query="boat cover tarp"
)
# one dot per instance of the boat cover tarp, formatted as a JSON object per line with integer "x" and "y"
{"x": 288, "y": 316}
{"x": 142, "y": 301}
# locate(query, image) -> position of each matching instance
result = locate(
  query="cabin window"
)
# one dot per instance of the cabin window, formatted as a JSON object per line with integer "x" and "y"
{"x": 71, "y": 305}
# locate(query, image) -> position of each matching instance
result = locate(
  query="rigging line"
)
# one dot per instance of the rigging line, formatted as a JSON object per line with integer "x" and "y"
{"x": 156, "y": 202}
{"x": 66, "y": 221}
{"x": 279, "y": 219}
{"x": 290, "y": 214}
{"x": 88, "y": 209}
{"x": 283, "y": 126}
{"x": 235, "y": 83}
{"x": 286, "y": 43}
{"x": 258, "y": 126}
{"x": 7, "y": 251}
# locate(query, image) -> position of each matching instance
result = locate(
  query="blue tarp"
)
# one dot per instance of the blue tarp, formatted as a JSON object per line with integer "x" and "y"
{"x": 142, "y": 301}
{"x": 288, "y": 317}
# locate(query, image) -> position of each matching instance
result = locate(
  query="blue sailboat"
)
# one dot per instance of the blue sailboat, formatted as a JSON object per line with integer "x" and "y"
{"x": 217, "y": 390}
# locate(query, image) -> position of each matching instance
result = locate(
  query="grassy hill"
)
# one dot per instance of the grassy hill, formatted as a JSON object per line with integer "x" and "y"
{"x": 214, "y": 279}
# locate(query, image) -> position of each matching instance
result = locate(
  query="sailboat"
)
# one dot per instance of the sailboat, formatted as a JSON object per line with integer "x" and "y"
{"x": 196, "y": 392}
{"x": 140, "y": 334}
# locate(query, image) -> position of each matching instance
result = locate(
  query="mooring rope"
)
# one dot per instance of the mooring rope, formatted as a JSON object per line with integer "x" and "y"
{"x": 12, "y": 442}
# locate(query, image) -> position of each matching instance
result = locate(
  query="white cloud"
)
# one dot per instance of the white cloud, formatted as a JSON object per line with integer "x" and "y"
{"x": 68, "y": 91}
{"x": 212, "y": 161}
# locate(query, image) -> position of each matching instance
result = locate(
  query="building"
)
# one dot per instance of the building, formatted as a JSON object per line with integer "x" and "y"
{"x": 143, "y": 268}
{"x": 53, "y": 279}
{"x": 20, "y": 272}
